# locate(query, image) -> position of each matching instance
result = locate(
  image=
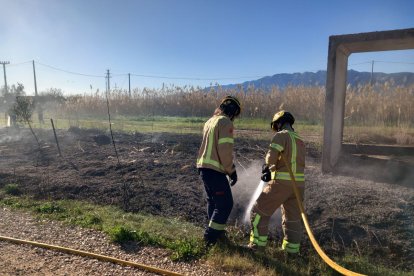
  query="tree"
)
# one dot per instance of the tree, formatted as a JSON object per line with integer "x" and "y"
{"x": 22, "y": 111}
{"x": 13, "y": 91}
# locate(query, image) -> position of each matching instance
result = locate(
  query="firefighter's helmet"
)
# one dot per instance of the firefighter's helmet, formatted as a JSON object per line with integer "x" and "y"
{"x": 281, "y": 118}
{"x": 230, "y": 105}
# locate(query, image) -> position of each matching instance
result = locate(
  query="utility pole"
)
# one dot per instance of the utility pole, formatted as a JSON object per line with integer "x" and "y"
{"x": 372, "y": 72}
{"x": 129, "y": 82}
{"x": 4, "y": 71}
{"x": 34, "y": 75}
{"x": 38, "y": 107}
{"x": 108, "y": 86}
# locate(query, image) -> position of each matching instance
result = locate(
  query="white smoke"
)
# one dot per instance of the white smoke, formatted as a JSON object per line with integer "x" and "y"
{"x": 245, "y": 191}
{"x": 9, "y": 136}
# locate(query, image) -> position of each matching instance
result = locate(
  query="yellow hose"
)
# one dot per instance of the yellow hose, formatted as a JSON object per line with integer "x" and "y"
{"x": 315, "y": 244}
{"x": 91, "y": 255}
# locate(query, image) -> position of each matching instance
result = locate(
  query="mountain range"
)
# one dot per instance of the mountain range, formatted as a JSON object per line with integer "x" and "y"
{"x": 355, "y": 78}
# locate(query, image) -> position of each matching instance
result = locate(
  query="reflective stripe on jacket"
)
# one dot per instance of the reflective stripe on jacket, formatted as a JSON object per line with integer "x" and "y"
{"x": 216, "y": 150}
{"x": 293, "y": 148}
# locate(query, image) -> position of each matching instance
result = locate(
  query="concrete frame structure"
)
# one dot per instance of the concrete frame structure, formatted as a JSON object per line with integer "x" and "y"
{"x": 340, "y": 48}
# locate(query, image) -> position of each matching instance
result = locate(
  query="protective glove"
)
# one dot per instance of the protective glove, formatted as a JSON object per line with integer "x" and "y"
{"x": 266, "y": 174}
{"x": 233, "y": 178}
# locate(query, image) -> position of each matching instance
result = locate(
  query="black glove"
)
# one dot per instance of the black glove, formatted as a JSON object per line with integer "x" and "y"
{"x": 233, "y": 178}
{"x": 266, "y": 174}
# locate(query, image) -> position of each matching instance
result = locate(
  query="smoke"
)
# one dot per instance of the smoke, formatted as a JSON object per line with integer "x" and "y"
{"x": 10, "y": 135}
{"x": 391, "y": 169}
{"x": 156, "y": 137}
{"x": 244, "y": 190}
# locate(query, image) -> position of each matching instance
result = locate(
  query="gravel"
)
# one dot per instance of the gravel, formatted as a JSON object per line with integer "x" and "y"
{"x": 29, "y": 260}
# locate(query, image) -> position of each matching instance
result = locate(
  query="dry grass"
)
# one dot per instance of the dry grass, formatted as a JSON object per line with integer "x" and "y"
{"x": 383, "y": 105}
{"x": 365, "y": 105}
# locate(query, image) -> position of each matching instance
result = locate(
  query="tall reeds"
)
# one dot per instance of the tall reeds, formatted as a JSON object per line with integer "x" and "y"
{"x": 365, "y": 105}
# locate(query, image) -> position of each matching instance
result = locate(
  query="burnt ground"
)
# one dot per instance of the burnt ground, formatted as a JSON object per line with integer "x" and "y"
{"x": 156, "y": 174}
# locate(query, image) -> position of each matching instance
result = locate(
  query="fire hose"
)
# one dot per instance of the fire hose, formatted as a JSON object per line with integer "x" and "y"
{"x": 92, "y": 255}
{"x": 315, "y": 244}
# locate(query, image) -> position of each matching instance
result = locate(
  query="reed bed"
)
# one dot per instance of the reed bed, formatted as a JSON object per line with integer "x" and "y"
{"x": 383, "y": 105}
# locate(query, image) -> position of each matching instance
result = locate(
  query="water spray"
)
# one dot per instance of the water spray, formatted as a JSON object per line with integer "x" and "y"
{"x": 256, "y": 194}
{"x": 253, "y": 199}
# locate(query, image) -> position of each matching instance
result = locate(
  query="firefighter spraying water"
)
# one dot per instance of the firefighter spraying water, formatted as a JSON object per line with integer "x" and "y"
{"x": 279, "y": 191}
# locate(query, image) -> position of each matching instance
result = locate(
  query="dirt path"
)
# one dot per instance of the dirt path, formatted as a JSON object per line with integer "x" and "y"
{"x": 28, "y": 260}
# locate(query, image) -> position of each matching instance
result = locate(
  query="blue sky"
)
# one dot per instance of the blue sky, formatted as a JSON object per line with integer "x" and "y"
{"x": 216, "y": 41}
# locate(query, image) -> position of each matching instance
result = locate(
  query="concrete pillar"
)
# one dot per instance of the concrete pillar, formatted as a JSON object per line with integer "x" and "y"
{"x": 334, "y": 104}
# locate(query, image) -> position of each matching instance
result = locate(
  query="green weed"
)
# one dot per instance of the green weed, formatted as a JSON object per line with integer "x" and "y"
{"x": 12, "y": 189}
{"x": 50, "y": 208}
{"x": 120, "y": 234}
{"x": 186, "y": 249}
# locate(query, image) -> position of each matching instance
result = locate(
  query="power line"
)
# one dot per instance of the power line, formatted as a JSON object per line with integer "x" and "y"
{"x": 186, "y": 77}
{"x": 382, "y": 61}
{"x": 70, "y": 72}
{"x": 20, "y": 63}
{"x": 397, "y": 62}
{"x": 365, "y": 62}
{"x": 194, "y": 78}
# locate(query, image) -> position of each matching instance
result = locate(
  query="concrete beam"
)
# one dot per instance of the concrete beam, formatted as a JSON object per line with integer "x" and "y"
{"x": 340, "y": 48}
{"x": 377, "y": 41}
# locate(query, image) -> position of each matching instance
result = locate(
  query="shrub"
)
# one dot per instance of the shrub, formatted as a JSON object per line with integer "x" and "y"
{"x": 186, "y": 249}
{"x": 93, "y": 219}
{"x": 120, "y": 234}
{"x": 12, "y": 189}
{"x": 50, "y": 208}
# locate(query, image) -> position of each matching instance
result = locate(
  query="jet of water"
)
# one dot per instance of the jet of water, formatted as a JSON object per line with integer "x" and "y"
{"x": 252, "y": 201}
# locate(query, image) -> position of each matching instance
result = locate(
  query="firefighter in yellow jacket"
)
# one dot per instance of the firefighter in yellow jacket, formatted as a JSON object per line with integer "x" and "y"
{"x": 215, "y": 163}
{"x": 279, "y": 191}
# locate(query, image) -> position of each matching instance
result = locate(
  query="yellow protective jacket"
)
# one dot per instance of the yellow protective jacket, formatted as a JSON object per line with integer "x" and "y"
{"x": 292, "y": 146}
{"x": 216, "y": 150}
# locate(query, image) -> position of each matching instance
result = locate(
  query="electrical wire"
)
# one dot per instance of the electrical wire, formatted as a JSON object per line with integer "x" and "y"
{"x": 365, "y": 62}
{"x": 382, "y": 61}
{"x": 19, "y": 63}
{"x": 186, "y": 77}
{"x": 69, "y": 72}
{"x": 396, "y": 62}
{"x": 194, "y": 78}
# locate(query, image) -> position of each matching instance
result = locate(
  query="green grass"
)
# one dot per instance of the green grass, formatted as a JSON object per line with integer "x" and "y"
{"x": 184, "y": 240}
{"x": 181, "y": 125}
{"x": 12, "y": 189}
{"x": 250, "y": 128}
{"x": 253, "y": 128}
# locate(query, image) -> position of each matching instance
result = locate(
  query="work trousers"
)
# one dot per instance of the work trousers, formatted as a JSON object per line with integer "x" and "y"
{"x": 275, "y": 195}
{"x": 219, "y": 202}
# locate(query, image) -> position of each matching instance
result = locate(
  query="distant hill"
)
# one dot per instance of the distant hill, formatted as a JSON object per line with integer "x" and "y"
{"x": 319, "y": 79}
